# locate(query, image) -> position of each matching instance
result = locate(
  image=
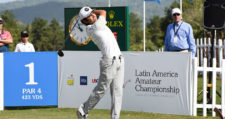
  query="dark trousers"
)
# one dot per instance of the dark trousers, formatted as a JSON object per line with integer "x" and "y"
{"x": 4, "y": 49}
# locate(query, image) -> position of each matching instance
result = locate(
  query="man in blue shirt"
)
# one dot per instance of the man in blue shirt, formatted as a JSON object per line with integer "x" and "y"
{"x": 179, "y": 35}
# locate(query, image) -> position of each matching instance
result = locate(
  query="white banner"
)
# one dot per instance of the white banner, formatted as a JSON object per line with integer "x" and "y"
{"x": 1, "y": 83}
{"x": 158, "y": 83}
{"x": 154, "y": 82}
{"x": 78, "y": 75}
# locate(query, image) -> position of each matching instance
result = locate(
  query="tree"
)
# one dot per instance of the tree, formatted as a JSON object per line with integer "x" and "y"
{"x": 193, "y": 14}
{"x": 43, "y": 36}
{"x": 47, "y": 37}
{"x": 154, "y": 34}
{"x": 40, "y": 34}
{"x": 135, "y": 41}
{"x": 56, "y": 35}
{"x": 12, "y": 25}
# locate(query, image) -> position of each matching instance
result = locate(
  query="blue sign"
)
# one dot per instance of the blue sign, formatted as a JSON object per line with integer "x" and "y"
{"x": 30, "y": 79}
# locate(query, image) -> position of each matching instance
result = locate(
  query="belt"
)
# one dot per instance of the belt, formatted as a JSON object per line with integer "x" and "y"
{"x": 179, "y": 50}
{"x": 112, "y": 57}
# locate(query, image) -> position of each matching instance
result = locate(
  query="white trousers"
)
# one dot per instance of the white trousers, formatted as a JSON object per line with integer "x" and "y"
{"x": 111, "y": 75}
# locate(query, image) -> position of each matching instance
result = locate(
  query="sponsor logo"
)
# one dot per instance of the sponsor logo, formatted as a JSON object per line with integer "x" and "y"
{"x": 83, "y": 80}
{"x": 115, "y": 23}
{"x": 111, "y": 14}
{"x": 112, "y": 22}
{"x": 70, "y": 80}
{"x": 94, "y": 80}
{"x": 86, "y": 9}
{"x": 126, "y": 82}
{"x": 115, "y": 34}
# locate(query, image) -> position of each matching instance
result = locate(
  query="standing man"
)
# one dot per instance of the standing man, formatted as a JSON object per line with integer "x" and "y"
{"x": 5, "y": 38}
{"x": 24, "y": 45}
{"x": 111, "y": 64}
{"x": 179, "y": 35}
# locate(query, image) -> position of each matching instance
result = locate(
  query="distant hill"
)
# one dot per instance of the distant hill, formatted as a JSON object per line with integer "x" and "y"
{"x": 46, "y": 11}
{"x": 27, "y": 10}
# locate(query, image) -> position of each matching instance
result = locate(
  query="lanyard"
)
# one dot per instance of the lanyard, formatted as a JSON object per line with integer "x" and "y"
{"x": 175, "y": 33}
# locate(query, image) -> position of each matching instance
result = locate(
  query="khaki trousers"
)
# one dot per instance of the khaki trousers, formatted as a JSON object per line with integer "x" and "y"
{"x": 111, "y": 75}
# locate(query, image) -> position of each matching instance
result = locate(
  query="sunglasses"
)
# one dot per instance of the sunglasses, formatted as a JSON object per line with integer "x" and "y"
{"x": 176, "y": 14}
{"x": 24, "y": 35}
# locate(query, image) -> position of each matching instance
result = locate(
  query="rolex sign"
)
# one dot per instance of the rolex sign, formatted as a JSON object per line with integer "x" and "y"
{"x": 76, "y": 38}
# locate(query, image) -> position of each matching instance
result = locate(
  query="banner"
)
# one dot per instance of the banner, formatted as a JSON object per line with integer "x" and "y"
{"x": 30, "y": 78}
{"x": 158, "y": 83}
{"x": 1, "y": 83}
{"x": 154, "y": 82}
{"x": 78, "y": 75}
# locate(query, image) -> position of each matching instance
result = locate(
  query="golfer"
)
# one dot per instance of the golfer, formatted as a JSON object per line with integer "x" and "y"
{"x": 111, "y": 64}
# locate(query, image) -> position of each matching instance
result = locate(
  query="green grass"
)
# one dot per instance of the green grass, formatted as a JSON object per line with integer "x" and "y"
{"x": 69, "y": 113}
{"x": 200, "y": 98}
{"x": 200, "y": 88}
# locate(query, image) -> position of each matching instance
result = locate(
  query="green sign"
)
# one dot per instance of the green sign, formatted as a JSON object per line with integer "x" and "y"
{"x": 117, "y": 21}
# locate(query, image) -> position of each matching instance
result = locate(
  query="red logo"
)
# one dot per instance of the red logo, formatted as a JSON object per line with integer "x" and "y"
{"x": 94, "y": 80}
{"x": 126, "y": 82}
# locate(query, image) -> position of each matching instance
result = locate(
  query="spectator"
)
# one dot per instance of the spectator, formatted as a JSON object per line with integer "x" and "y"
{"x": 24, "y": 45}
{"x": 5, "y": 38}
{"x": 179, "y": 35}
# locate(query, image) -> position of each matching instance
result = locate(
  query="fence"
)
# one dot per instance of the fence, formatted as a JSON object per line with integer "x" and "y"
{"x": 203, "y": 68}
{"x": 204, "y": 50}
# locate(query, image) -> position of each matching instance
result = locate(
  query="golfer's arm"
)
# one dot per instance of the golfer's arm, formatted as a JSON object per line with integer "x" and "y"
{"x": 100, "y": 13}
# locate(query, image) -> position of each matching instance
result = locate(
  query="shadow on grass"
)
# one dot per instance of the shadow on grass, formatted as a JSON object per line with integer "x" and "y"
{"x": 29, "y": 107}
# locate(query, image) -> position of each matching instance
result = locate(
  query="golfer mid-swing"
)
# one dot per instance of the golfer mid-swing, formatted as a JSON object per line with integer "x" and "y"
{"x": 111, "y": 64}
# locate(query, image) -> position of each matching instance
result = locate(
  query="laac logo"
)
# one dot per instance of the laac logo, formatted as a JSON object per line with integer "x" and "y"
{"x": 83, "y": 80}
{"x": 94, "y": 80}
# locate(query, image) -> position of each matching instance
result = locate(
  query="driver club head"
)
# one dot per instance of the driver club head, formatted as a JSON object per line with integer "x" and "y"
{"x": 60, "y": 53}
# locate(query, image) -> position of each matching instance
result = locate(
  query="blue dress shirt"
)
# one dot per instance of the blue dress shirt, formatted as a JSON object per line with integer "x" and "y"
{"x": 185, "y": 39}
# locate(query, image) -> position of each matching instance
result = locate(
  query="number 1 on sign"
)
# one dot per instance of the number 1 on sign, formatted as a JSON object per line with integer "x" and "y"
{"x": 31, "y": 74}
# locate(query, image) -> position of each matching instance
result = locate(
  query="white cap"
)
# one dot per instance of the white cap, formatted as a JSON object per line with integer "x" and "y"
{"x": 176, "y": 10}
{"x": 85, "y": 12}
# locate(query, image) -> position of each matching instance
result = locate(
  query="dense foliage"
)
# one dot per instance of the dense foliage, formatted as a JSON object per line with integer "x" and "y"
{"x": 49, "y": 36}
{"x": 44, "y": 36}
{"x": 156, "y": 27}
